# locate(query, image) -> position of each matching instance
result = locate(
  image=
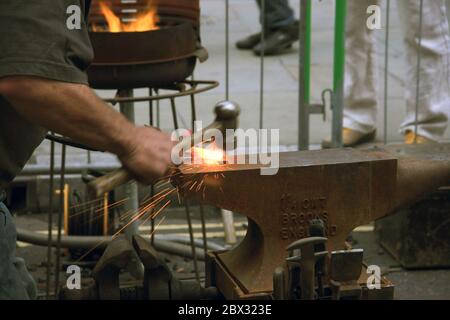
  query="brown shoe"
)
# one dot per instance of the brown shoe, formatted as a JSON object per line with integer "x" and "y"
{"x": 351, "y": 138}
{"x": 412, "y": 138}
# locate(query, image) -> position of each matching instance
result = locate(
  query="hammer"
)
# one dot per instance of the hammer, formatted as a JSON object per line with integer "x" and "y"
{"x": 227, "y": 113}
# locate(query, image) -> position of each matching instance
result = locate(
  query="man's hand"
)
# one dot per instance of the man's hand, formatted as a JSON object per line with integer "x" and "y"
{"x": 149, "y": 156}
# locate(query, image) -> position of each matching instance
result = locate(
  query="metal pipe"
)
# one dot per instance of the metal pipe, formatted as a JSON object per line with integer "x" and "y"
{"x": 158, "y": 114}
{"x": 261, "y": 76}
{"x": 60, "y": 216}
{"x": 191, "y": 235}
{"x": 227, "y": 87}
{"x": 41, "y": 169}
{"x": 227, "y": 49}
{"x": 339, "y": 71}
{"x": 202, "y": 211}
{"x": 203, "y": 223}
{"x": 150, "y": 107}
{"x": 50, "y": 219}
{"x": 174, "y": 114}
{"x": 386, "y": 64}
{"x": 186, "y": 204}
{"x": 304, "y": 74}
{"x": 199, "y": 243}
{"x": 209, "y": 85}
{"x": 101, "y": 242}
{"x": 131, "y": 189}
{"x": 228, "y": 224}
{"x": 152, "y": 187}
{"x": 419, "y": 62}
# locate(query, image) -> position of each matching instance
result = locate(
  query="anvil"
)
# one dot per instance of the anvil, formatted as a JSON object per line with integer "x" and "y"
{"x": 345, "y": 188}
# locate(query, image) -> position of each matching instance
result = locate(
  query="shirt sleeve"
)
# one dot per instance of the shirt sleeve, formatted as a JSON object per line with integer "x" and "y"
{"x": 36, "y": 41}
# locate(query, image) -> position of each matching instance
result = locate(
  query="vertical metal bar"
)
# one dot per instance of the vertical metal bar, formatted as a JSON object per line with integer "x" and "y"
{"x": 60, "y": 218}
{"x": 191, "y": 236}
{"x": 227, "y": 96}
{"x": 386, "y": 68}
{"x": 152, "y": 223}
{"x": 66, "y": 209}
{"x": 261, "y": 78}
{"x": 150, "y": 107}
{"x": 227, "y": 49}
{"x": 186, "y": 204}
{"x": 339, "y": 72}
{"x": 174, "y": 113}
{"x": 202, "y": 211}
{"x": 419, "y": 62}
{"x": 131, "y": 189}
{"x": 50, "y": 218}
{"x": 152, "y": 187}
{"x": 158, "y": 117}
{"x": 228, "y": 224}
{"x": 204, "y": 235}
{"x": 193, "y": 111}
{"x": 105, "y": 214}
{"x": 304, "y": 67}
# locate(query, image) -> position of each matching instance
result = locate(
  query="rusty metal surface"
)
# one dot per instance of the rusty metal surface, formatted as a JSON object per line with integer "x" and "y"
{"x": 344, "y": 188}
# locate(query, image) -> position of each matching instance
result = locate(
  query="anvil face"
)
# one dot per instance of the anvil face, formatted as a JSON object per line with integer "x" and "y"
{"x": 344, "y": 188}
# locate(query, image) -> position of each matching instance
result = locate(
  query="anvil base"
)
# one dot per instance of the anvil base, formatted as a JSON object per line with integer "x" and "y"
{"x": 217, "y": 275}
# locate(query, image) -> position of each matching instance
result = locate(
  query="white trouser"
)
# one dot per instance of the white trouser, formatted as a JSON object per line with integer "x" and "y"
{"x": 361, "y": 98}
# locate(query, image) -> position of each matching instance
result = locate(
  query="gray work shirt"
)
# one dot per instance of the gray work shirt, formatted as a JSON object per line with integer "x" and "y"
{"x": 35, "y": 41}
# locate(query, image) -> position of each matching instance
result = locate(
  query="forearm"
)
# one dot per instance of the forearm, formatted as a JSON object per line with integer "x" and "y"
{"x": 69, "y": 109}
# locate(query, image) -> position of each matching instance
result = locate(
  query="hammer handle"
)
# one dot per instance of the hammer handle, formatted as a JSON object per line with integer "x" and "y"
{"x": 108, "y": 182}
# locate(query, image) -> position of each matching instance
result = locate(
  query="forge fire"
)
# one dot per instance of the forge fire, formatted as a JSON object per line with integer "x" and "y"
{"x": 139, "y": 22}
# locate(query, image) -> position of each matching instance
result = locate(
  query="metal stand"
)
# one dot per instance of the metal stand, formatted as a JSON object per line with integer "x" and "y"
{"x": 126, "y": 100}
{"x": 131, "y": 189}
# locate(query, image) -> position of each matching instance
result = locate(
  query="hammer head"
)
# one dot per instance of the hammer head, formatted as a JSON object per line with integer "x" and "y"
{"x": 227, "y": 114}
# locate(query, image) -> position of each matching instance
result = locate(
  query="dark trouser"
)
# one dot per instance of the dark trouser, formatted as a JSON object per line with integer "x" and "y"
{"x": 15, "y": 281}
{"x": 278, "y": 13}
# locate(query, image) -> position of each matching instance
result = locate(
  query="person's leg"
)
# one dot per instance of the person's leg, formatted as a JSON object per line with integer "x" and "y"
{"x": 12, "y": 285}
{"x": 278, "y": 13}
{"x": 434, "y": 89}
{"x": 360, "y": 100}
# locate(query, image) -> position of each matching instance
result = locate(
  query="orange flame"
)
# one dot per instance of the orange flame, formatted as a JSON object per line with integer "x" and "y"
{"x": 144, "y": 22}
